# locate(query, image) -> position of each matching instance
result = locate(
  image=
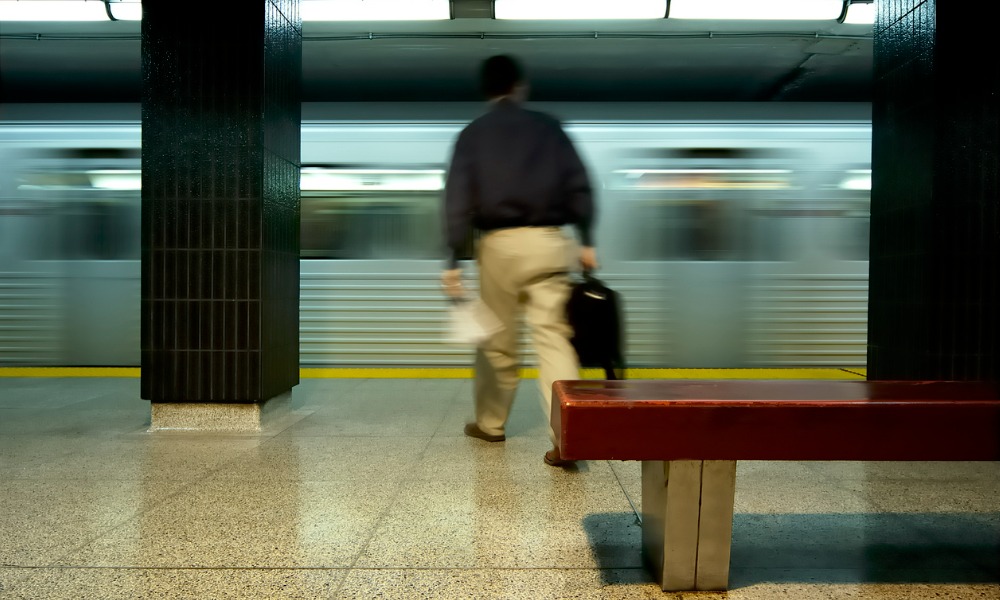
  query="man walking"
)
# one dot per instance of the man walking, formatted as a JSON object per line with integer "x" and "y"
{"x": 516, "y": 177}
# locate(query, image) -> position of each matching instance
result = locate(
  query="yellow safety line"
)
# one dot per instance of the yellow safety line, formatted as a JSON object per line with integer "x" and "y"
{"x": 373, "y": 373}
{"x": 832, "y": 373}
{"x": 466, "y": 373}
{"x": 69, "y": 371}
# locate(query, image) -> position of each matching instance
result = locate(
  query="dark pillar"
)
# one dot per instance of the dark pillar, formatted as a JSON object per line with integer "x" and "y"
{"x": 221, "y": 113}
{"x": 935, "y": 230}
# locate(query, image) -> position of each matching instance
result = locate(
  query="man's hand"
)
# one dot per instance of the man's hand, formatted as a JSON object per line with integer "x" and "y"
{"x": 451, "y": 283}
{"x": 588, "y": 258}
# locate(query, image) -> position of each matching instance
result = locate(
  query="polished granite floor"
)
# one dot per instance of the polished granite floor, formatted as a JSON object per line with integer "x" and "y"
{"x": 368, "y": 489}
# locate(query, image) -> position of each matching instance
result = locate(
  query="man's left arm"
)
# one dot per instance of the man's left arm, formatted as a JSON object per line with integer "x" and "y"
{"x": 580, "y": 200}
{"x": 458, "y": 201}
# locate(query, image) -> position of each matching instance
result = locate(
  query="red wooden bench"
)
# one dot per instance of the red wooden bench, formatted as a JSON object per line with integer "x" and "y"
{"x": 690, "y": 433}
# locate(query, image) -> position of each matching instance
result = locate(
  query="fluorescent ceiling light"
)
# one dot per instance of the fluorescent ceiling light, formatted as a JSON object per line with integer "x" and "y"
{"x": 690, "y": 171}
{"x": 116, "y": 180}
{"x": 860, "y": 14}
{"x": 53, "y": 10}
{"x": 126, "y": 10}
{"x": 375, "y": 10}
{"x": 317, "y": 179}
{"x": 798, "y": 10}
{"x": 860, "y": 179}
{"x": 858, "y": 183}
{"x": 570, "y": 10}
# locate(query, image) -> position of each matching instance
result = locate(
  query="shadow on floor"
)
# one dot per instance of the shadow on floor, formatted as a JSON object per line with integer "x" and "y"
{"x": 616, "y": 543}
{"x": 888, "y": 548}
{"x": 865, "y": 548}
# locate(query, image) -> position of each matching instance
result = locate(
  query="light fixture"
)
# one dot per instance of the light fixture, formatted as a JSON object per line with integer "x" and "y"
{"x": 570, "y": 10}
{"x": 858, "y": 179}
{"x": 53, "y": 10}
{"x": 375, "y": 10}
{"x": 707, "y": 178}
{"x": 123, "y": 179}
{"x": 312, "y": 10}
{"x": 472, "y": 9}
{"x": 797, "y": 10}
{"x": 125, "y": 10}
{"x": 860, "y": 13}
{"x": 318, "y": 179}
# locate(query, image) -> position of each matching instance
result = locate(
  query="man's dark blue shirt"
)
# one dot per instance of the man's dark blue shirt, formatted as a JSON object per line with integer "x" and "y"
{"x": 514, "y": 167}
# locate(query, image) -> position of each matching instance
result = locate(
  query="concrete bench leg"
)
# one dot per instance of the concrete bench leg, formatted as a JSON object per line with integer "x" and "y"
{"x": 687, "y": 522}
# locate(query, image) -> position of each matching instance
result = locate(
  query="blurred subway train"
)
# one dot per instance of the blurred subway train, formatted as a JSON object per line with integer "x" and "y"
{"x": 736, "y": 234}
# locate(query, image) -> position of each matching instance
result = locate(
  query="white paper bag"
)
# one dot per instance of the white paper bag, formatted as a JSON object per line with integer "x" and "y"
{"x": 471, "y": 322}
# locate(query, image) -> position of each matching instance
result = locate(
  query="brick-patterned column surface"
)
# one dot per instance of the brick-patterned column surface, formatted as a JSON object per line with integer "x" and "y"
{"x": 935, "y": 230}
{"x": 220, "y": 202}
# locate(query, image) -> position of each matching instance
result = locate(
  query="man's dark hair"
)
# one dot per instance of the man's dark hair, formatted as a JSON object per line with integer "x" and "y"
{"x": 499, "y": 75}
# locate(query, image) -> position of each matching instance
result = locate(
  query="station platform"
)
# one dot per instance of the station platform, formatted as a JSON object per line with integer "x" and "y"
{"x": 367, "y": 488}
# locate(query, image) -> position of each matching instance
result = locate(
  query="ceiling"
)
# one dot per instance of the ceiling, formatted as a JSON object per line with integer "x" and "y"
{"x": 624, "y": 61}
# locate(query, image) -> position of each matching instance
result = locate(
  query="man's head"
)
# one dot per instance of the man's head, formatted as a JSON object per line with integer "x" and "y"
{"x": 501, "y": 76}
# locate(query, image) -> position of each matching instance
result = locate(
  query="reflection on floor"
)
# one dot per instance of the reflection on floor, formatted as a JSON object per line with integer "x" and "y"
{"x": 368, "y": 489}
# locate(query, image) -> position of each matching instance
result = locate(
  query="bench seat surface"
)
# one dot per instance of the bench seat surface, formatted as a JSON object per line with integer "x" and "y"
{"x": 777, "y": 420}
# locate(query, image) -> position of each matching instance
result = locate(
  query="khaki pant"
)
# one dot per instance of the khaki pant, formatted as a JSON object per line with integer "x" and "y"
{"x": 524, "y": 268}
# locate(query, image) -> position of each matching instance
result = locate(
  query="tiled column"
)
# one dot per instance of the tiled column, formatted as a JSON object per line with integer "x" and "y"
{"x": 935, "y": 231}
{"x": 220, "y": 210}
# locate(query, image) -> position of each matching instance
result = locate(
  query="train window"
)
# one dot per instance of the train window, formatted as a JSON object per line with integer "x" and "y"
{"x": 704, "y": 179}
{"x": 854, "y": 194}
{"x": 694, "y": 214}
{"x": 94, "y": 230}
{"x": 856, "y": 185}
{"x": 707, "y": 229}
{"x": 372, "y": 213}
{"x": 856, "y": 239}
{"x": 84, "y": 214}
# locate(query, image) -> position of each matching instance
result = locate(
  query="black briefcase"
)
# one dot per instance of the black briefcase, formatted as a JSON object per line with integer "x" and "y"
{"x": 594, "y": 312}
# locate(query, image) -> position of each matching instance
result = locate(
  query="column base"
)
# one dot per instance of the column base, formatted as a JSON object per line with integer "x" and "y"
{"x": 217, "y": 416}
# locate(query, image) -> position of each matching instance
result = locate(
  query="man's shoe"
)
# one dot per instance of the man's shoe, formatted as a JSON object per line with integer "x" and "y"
{"x": 473, "y": 430}
{"x": 553, "y": 459}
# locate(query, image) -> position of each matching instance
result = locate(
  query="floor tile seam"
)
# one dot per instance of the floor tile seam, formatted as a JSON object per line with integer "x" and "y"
{"x": 355, "y": 384}
{"x": 539, "y": 478}
{"x": 74, "y": 404}
{"x": 56, "y": 458}
{"x": 835, "y": 481}
{"x": 499, "y": 568}
{"x": 383, "y": 515}
{"x": 921, "y": 535}
{"x": 28, "y": 570}
{"x": 98, "y": 479}
{"x": 427, "y": 434}
{"x": 264, "y": 440}
{"x": 283, "y": 434}
{"x": 64, "y": 436}
{"x": 313, "y": 568}
{"x": 440, "y": 427}
{"x": 160, "y": 568}
{"x": 943, "y": 482}
{"x": 270, "y": 435}
{"x": 911, "y": 507}
{"x": 112, "y": 528}
{"x": 288, "y": 436}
